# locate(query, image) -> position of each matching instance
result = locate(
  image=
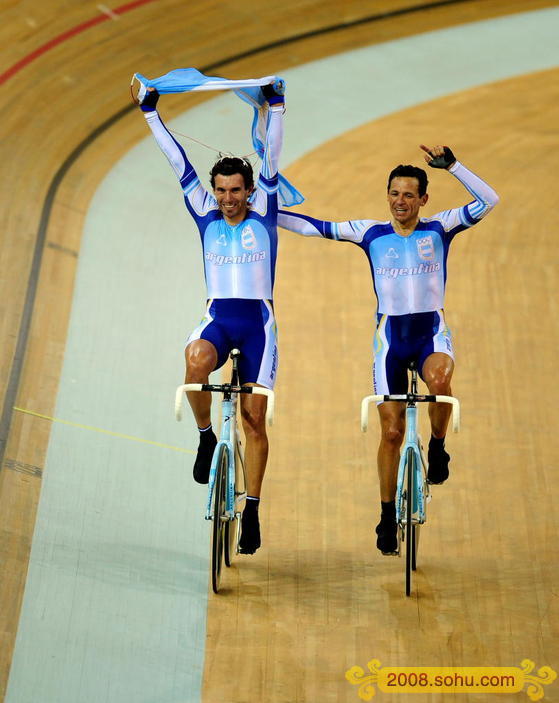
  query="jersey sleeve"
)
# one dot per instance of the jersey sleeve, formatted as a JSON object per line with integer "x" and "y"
{"x": 350, "y": 231}
{"x": 198, "y": 200}
{"x": 485, "y": 199}
{"x": 267, "y": 183}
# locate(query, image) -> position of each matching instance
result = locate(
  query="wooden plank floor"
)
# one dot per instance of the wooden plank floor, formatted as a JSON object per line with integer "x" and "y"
{"x": 324, "y": 600}
{"x": 319, "y": 606}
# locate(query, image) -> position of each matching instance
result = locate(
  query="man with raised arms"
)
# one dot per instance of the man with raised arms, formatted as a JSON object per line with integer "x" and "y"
{"x": 238, "y": 228}
{"x": 408, "y": 256}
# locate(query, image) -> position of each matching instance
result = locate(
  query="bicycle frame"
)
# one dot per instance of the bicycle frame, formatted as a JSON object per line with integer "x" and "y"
{"x": 228, "y": 436}
{"x": 412, "y": 439}
{"x": 223, "y": 494}
{"x": 412, "y": 490}
{"x": 413, "y": 442}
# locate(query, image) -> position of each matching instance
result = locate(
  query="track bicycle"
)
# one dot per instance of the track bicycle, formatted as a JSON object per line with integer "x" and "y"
{"x": 412, "y": 490}
{"x": 226, "y": 486}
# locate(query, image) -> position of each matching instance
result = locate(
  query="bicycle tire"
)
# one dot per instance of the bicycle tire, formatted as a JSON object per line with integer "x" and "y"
{"x": 233, "y": 527}
{"x": 219, "y": 525}
{"x": 410, "y": 541}
{"x": 415, "y": 546}
{"x": 230, "y": 540}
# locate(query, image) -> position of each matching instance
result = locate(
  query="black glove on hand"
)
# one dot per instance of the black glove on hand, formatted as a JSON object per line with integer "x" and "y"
{"x": 149, "y": 102}
{"x": 274, "y": 92}
{"x": 443, "y": 161}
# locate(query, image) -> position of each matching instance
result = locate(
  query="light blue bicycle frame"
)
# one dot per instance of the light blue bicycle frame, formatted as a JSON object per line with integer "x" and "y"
{"x": 419, "y": 498}
{"x": 413, "y": 441}
{"x": 228, "y": 439}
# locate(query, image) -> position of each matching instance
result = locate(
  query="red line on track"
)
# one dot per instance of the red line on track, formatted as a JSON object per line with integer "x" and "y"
{"x": 78, "y": 29}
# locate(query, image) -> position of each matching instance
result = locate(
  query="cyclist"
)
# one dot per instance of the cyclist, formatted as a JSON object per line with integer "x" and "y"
{"x": 237, "y": 222}
{"x": 408, "y": 256}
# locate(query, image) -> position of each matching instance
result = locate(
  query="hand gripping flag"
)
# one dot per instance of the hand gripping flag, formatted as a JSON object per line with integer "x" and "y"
{"x": 183, "y": 80}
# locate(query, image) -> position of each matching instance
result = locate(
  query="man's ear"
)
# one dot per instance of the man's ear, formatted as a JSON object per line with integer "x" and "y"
{"x": 424, "y": 199}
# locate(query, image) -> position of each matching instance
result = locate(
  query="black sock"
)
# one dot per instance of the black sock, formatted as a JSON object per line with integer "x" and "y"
{"x": 250, "y": 527}
{"x": 388, "y": 509}
{"x": 252, "y": 503}
{"x": 202, "y": 465}
{"x": 436, "y": 442}
{"x": 206, "y": 433}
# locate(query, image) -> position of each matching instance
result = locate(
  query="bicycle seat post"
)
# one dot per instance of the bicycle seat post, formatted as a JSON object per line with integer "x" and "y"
{"x": 413, "y": 384}
{"x": 235, "y": 354}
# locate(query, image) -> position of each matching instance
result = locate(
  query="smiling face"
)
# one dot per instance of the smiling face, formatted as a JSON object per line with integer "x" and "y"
{"x": 232, "y": 197}
{"x": 404, "y": 201}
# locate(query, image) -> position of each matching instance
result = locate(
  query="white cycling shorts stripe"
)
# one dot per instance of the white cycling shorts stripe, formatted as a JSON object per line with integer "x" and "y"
{"x": 206, "y": 320}
{"x": 380, "y": 350}
{"x": 269, "y": 366}
{"x": 442, "y": 339}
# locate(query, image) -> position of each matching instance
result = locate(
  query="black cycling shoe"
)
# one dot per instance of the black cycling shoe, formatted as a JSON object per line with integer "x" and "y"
{"x": 250, "y": 530}
{"x": 203, "y": 463}
{"x": 387, "y": 535}
{"x": 437, "y": 460}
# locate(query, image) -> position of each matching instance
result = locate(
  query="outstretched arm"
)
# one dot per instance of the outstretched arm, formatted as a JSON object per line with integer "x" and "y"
{"x": 485, "y": 197}
{"x": 351, "y": 230}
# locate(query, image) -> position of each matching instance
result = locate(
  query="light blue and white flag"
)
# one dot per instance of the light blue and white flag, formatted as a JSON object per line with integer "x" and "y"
{"x": 184, "y": 80}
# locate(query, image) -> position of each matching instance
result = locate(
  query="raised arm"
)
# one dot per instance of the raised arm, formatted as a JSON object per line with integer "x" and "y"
{"x": 197, "y": 198}
{"x": 167, "y": 143}
{"x": 274, "y": 141}
{"x": 485, "y": 198}
{"x": 267, "y": 184}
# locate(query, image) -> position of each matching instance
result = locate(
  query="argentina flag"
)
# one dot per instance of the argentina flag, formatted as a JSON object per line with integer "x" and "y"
{"x": 185, "y": 80}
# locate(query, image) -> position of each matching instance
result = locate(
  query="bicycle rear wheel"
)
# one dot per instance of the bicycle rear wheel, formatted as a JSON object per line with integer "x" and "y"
{"x": 415, "y": 546}
{"x": 218, "y": 513}
{"x": 410, "y": 527}
{"x": 230, "y": 540}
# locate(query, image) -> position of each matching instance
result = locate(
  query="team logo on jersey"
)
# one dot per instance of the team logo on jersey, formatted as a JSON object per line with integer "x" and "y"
{"x": 248, "y": 238}
{"x": 425, "y": 248}
{"x": 392, "y": 254}
{"x": 222, "y": 239}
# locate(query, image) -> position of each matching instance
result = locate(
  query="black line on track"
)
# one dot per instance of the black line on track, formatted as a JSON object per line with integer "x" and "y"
{"x": 27, "y": 313}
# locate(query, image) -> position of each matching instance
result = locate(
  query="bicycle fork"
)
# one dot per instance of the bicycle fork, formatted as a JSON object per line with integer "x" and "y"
{"x": 415, "y": 502}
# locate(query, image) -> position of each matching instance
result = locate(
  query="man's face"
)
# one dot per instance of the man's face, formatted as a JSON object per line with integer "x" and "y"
{"x": 232, "y": 196}
{"x": 404, "y": 200}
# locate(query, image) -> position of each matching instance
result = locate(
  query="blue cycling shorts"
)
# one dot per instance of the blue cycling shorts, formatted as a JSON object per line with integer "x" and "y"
{"x": 400, "y": 339}
{"x": 250, "y": 327}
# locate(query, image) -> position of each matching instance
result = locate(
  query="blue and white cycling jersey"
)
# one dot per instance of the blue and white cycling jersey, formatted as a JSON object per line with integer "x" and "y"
{"x": 239, "y": 260}
{"x": 409, "y": 272}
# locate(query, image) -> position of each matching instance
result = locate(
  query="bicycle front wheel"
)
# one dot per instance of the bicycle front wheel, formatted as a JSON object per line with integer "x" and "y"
{"x": 218, "y": 516}
{"x": 410, "y": 527}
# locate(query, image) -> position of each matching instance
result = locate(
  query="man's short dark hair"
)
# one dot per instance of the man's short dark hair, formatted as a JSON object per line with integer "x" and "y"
{"x": 229, "y": 165}
{"x": 408, "y": 171}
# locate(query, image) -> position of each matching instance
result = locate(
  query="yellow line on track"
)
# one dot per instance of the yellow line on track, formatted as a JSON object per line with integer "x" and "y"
{"x": 103, "y": 431}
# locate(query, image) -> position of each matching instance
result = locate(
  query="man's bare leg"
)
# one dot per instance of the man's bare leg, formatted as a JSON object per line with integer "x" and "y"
{"x": 253, "y": 411}
{"x": 392, "y": 426}
{"x": 201, "y": 359}
{"x": 437, "y": 374}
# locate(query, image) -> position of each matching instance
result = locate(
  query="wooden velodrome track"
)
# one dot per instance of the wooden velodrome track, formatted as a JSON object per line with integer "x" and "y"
{"x": 302, "y": 608}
